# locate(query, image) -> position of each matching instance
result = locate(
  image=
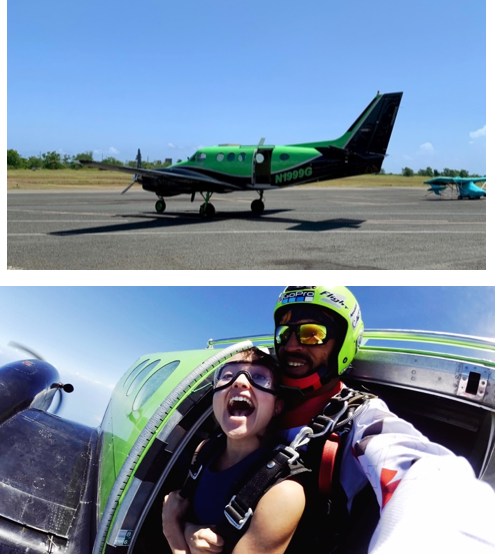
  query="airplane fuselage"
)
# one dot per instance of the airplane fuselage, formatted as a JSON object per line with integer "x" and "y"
{"x": 269, "y": 167}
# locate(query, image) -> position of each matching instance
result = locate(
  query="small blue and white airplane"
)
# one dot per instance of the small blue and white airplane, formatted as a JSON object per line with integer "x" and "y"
{"x": 464, "y": 185}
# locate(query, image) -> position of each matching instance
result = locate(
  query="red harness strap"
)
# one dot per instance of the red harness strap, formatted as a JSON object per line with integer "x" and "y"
{"x": 327, "y": 466}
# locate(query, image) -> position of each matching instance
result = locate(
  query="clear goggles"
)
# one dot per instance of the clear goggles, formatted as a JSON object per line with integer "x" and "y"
{"x": 308, "y": 334}
{"x": 258, "y": 376}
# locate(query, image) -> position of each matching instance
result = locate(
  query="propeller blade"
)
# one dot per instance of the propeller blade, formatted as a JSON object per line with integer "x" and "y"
{"x": 127, "y": 188}
{"x": 20, "y": 346}
{"x": 56, "y": 409}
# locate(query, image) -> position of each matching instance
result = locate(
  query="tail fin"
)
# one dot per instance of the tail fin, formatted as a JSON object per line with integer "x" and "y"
{"x": 370, "y": 133}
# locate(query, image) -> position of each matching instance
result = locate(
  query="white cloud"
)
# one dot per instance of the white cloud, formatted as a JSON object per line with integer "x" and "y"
{"x": 479, "y": 133}
{"x": 426, "y": 148}
{"x": 171, "y": 145}
{"x": 113, "y": 150}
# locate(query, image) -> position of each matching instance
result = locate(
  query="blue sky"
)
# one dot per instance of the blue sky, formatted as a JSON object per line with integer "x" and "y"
{"x": 168, "y": 77}
{"x": 92, "y": 335}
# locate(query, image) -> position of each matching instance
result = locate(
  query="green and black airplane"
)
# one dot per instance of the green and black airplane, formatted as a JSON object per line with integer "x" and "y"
{"x": 230, "y": 168}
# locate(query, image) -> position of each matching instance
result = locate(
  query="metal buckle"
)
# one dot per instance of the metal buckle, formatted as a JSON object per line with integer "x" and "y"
{"x": 289, "y": 451}
{"x": 332, "y": 421}
{"x": 237, "y": 524}
{"x": 301, "y": 438}
{"x": 195, "y": 475}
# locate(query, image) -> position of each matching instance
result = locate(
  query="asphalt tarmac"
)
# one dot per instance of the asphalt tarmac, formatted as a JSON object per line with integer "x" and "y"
{"x": 301, "y": 228}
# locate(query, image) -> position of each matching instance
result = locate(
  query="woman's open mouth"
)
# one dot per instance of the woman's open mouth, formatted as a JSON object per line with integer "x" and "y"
{"x": 239, "y": 406}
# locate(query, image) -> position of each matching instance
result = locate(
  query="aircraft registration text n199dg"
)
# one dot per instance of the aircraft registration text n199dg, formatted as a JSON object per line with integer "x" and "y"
{"x": 229, "y": 168}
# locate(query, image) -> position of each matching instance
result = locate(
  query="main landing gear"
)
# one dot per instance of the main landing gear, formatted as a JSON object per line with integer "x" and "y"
{"x": 160, "y": 205}
{"x": 257, "y": 206}
{"x": 207, "y": 210}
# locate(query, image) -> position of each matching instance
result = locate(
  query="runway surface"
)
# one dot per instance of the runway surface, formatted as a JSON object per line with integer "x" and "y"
{"x": 325, "y": 228}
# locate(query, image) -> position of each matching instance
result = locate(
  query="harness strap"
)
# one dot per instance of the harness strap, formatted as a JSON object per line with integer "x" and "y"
{"x": 327, "y": 465}
{"x": 241, "y": 506}
{"x": 204, "y": 456}
{"x": 330, "y": 426}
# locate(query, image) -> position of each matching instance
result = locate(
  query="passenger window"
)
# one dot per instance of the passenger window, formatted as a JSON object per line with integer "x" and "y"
{"x": 220, "y": 157}
{"x": 241, "y": 157}
{"x": 260, "y": 158}
{"x": 231, "y": 157}
{"x": 284, "y": 157}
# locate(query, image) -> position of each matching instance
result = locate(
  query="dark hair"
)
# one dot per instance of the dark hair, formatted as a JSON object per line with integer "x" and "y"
{"x": 255, "y": 355}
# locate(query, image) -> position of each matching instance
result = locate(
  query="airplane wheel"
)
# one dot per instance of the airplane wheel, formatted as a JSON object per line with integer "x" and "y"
{"x": 459, "y": 197}
{"x": 207, "y": 210}
{"x": 160, "y": 206}
{"x": 471, "y": 197}
{"x": 257, "y": 207}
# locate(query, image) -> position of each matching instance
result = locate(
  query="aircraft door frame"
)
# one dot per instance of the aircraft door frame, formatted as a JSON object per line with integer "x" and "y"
{"x": 262, "y": 167}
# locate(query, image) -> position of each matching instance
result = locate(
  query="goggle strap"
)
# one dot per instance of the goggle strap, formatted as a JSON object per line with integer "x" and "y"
{"x": 249, "y": 378}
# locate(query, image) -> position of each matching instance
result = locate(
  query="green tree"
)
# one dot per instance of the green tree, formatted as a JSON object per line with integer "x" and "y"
{"x": 81, "y": 156}
{"x": 86, "y": 156}
{"x": 15, "y": 160}
{"x": 407, "y": 172}
{"x": 34, "y": 162}
{"x": 112, "y": 160}
{"x": 51, "y": 160}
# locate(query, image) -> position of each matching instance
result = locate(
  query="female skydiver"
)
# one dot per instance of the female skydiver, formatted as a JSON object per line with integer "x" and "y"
{"x": 244, "y": 403}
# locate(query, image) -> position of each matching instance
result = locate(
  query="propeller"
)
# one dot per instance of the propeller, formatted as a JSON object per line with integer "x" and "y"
{"x": 68, "y": 388}
{"x": 136, "y": 177}
{"x": 128, "y": 187}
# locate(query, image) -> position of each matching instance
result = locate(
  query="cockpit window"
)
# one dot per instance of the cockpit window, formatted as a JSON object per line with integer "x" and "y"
{"x": 193, "y": 157}
{"x": 201, "y": 156}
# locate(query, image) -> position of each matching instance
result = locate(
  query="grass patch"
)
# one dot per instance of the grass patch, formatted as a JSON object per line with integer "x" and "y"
{"x": 64, "y": 179}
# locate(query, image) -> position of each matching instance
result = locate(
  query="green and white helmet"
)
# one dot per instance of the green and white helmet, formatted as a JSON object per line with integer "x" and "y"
{"x": 337, "y": 300}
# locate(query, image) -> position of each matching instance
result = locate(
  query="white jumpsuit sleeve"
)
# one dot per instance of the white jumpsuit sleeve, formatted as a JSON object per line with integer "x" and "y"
{"x": 430, "y": 499}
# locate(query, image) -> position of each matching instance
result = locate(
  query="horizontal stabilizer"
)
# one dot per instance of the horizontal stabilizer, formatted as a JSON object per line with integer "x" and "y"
{"x": 334, "y": 152}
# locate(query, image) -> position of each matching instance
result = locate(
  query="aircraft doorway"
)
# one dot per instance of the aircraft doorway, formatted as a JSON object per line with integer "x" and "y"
{"x": 262, "y": 164}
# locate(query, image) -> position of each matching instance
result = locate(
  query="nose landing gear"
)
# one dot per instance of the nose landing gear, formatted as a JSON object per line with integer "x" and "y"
{"x": 206, "y": 209}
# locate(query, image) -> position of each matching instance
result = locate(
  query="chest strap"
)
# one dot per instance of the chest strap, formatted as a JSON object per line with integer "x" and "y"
{"x": 330, "y": 426}
{"x": 282, "y": 463}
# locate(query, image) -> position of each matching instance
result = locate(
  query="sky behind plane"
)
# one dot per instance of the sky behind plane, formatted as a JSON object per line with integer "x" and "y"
{"x": 204, "y": 73}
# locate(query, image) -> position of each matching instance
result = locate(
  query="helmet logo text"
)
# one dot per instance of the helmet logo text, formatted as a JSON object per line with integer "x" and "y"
{"x": 333, "y": 298}
{"x": 355, "y": 316}
{"x": 297, "y": 296}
